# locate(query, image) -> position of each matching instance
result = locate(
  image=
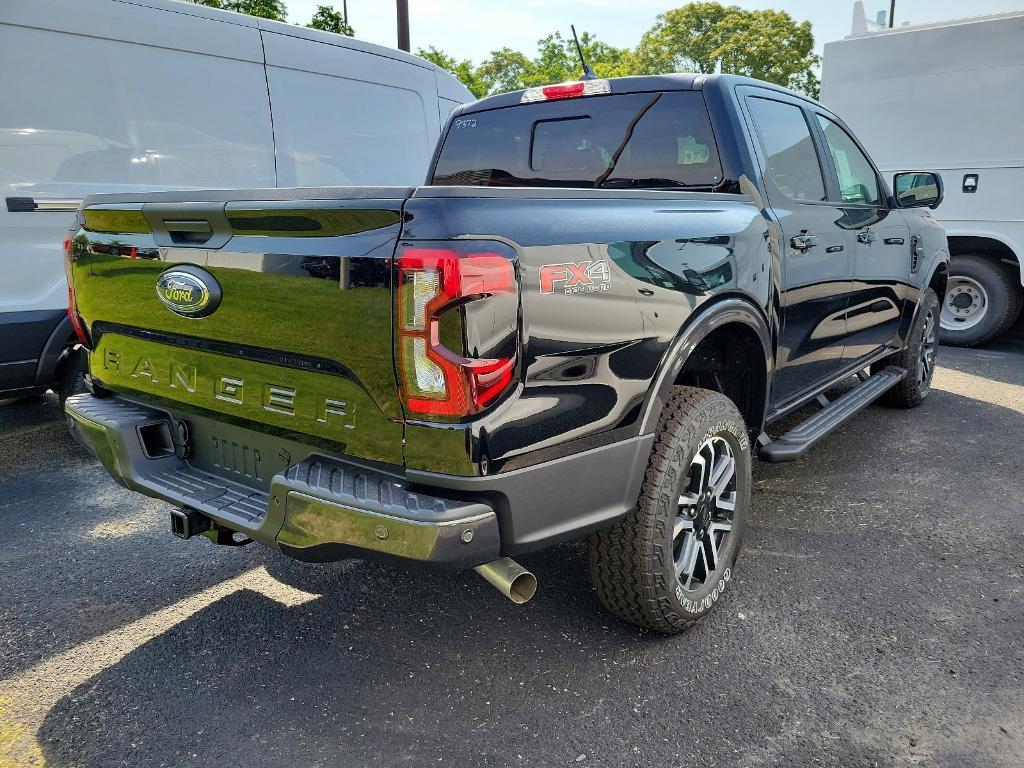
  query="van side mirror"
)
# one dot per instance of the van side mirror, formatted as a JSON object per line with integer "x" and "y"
{"x": 917, "y": 189}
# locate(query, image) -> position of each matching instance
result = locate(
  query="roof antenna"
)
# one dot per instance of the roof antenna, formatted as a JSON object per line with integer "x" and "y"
{"x": 588, "y": 73}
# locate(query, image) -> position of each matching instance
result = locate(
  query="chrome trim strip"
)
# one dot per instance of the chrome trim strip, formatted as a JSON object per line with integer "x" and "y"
{"x": 42, "y": 204}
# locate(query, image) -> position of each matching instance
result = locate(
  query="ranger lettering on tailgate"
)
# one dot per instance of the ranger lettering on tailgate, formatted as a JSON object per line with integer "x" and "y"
{"x": 182, "y": 376}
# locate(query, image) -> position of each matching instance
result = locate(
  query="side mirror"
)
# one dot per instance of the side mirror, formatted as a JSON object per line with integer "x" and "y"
{"x": 917, "y": 189}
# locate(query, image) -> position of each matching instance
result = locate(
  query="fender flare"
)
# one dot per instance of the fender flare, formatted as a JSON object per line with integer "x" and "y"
{"x": 699, "y": 327}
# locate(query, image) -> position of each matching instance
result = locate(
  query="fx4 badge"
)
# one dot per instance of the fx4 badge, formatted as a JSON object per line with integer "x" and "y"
{"x": 575, "y": 277}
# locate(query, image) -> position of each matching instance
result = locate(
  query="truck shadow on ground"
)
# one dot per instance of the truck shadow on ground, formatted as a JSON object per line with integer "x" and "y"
{"x": 862, "y": 628}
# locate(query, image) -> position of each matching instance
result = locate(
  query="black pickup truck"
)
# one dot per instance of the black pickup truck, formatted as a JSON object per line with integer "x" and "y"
{"x": 584, "y": 324}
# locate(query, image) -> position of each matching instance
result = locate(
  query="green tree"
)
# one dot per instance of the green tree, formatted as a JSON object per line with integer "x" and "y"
{"x": 708, "y": 37}
{"x": 505, "y": 70}
{"x": 557, "y": 59}
{"x": 328, "y": 19}
{"x": 266, "y": 9}
{"x": 463, "y": 70}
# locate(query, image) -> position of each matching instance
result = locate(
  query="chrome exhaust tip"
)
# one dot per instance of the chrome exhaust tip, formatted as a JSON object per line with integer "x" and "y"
{"x": 510, "y": 578}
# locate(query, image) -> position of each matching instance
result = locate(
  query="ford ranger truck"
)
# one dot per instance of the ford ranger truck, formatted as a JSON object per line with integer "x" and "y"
{"x": 585, "y": 324}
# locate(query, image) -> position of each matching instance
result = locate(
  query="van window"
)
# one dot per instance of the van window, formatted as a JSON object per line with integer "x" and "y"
{"x": 124, "y": 114}
{"x": 333, "y": 131}
{"x": 639, "y": 140}
{"x": 857, "y": 180}
{"x": 786, "y": 140}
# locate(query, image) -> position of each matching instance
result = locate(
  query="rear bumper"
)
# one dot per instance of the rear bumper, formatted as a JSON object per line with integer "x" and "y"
{"x": 320, "y": 508}
{"x": 325, "y": 507}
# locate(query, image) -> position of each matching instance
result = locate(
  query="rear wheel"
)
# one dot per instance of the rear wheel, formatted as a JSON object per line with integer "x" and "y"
{"x": 667, "y": 564}
{"x": 982, "y": 300}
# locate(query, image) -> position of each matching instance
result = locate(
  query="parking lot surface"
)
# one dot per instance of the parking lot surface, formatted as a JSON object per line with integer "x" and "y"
{"x": 877, "y": 619}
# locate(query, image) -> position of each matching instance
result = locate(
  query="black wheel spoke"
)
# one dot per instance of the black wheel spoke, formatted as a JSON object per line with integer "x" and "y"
{"x": 704, "y": 517}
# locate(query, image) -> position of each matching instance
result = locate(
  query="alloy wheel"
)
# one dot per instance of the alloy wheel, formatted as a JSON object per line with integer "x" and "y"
{"x": 705, "y": 513}
{"x": 926, "y": 357}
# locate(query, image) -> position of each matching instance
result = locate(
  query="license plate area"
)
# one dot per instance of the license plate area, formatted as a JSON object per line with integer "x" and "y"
{"x": 241, "y": 455}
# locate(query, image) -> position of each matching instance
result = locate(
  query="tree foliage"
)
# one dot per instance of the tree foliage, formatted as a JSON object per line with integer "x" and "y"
{"x": 266, "y": 9}
{"x": 702, "y": 37}
{"x": 328, "y": 19}
{"x": 463, "y": 70}
{"x": 708, "y": 37}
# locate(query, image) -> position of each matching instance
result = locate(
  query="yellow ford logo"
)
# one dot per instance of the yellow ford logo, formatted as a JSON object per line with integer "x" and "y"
{"x": 188, "y": 291}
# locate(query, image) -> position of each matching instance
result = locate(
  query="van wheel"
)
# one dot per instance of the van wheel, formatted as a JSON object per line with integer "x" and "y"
{"x": 982, "y": 300}
{"x": 667, "y": 564}
{"x": 71, "y": 376}
{"x": 917, "y": 358}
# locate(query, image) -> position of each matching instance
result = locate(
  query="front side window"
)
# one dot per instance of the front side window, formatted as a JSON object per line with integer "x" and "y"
{"x": 858, "y": 183}
{"x": 786, "y": 140}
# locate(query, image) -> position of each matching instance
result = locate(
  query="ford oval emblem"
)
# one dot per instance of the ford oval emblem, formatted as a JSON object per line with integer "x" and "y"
{"x": 188, "y": 291}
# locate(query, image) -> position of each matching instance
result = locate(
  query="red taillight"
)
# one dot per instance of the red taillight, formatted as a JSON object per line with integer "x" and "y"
{"x": 73, "y": 316}
{"x": 436, "y": 380}
{"x": 569, "y": 90}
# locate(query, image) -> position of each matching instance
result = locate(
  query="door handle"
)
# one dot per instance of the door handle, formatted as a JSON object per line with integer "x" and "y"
{"x": 866, "y": 236}
{"x": 803, "y": 242}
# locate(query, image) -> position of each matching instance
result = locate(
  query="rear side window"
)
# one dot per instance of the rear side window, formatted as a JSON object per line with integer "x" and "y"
{"x": 639, "y": 140}
{"x": 786, "y": 140}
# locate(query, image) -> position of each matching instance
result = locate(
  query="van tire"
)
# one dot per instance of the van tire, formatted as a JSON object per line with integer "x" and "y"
{"x": 1003, "y": 298}
{"x": 71, "y": 376}
{"x": 634, "y": 564}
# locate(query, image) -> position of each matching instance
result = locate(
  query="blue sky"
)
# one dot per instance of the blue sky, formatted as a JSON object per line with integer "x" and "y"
{"x": 472, "y": 28}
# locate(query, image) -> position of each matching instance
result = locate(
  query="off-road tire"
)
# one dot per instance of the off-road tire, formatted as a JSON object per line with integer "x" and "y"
{"x": 913, "y": 389}
{"x": 1005, "y": 297}
{"x": 632, "y": 563}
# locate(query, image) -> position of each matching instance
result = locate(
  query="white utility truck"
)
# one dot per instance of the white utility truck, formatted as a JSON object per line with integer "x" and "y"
{"x": 118, "y": 96}
{"x": 949, "y": 96}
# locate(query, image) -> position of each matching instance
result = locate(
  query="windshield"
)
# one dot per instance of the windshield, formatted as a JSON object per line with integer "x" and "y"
{"x": 638, "y": 140}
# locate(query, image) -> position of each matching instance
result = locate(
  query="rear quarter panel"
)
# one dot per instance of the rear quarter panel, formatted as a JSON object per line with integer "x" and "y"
{"x": 592, "y": 345}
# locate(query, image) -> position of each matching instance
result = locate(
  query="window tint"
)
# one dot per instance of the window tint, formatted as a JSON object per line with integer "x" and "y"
{"x": 562, "y": 145}
{"x": 641, "y": 140}
{"x": 857, "y": 180}
{"x": 786, "y": 141}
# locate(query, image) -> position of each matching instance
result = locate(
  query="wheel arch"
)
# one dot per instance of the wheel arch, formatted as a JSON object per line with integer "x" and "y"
{"x": 714, "y": 336}
{"x": 62, "y": 339}
{"x": 998, "y": 248}
{"x": 938, "y": 280}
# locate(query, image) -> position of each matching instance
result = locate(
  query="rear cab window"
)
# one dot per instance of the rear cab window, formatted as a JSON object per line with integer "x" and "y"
{"x": 638, "y": 140}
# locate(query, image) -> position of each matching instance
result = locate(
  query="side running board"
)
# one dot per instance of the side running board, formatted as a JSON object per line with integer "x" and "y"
{"x": 798, "y": 441}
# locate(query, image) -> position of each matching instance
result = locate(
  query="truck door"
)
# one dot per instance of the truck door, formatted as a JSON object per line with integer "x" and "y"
{"x": 881, "y": 248}
{"x": 815, "y": 251}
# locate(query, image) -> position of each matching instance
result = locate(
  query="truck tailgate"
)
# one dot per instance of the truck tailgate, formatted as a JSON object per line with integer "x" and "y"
{"x": 284, "y": 322}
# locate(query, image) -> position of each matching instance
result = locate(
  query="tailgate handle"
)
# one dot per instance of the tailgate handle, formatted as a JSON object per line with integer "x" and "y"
{"x": 189, "y": 231}
{"x": 188, "y": 225}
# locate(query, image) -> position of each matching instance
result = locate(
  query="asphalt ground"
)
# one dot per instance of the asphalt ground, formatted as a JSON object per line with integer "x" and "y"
{"x": 876, "y": 619}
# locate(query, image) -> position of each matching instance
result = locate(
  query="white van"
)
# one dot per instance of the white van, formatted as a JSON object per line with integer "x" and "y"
{"x": 957, "y": 88}
{"x": 201, "y": 98}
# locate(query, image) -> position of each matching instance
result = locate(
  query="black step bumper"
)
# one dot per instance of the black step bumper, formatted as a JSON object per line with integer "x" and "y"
{"x": 320, "y": 508}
